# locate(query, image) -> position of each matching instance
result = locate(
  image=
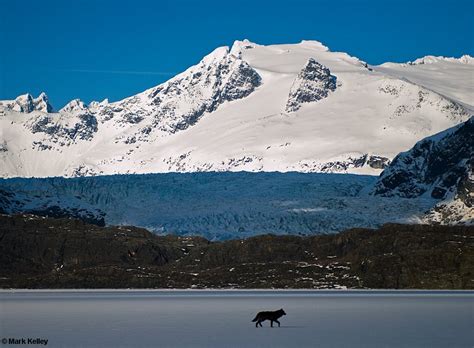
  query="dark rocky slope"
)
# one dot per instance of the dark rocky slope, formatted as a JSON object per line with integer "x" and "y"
{"x": 313, "y": 83}
{"x": 39, "y": 252}
{"x": 439, "y": 167}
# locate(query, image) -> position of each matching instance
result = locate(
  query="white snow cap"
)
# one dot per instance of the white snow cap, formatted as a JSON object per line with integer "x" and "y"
{"x": 228, "y": 113}
{"x": 465, "y": 59}
{"x": 314, "y": 45}
{"x": 238, "y": 46}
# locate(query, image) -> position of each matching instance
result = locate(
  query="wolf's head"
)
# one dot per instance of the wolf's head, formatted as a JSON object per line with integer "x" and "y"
{"x": 282, "y": 312}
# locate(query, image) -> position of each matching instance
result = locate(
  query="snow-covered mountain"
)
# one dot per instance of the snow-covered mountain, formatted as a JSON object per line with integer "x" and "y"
{"x": 26, "y": 103}
{"x": 440, "y": 167}
{"x": 450, "y": 77}
{"x": 295, "y": 107}
{"x": 430, "y": 183}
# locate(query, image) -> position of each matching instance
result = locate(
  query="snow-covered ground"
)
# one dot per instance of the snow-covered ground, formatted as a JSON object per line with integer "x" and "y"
{"x": 290, "y": 107}
{"x": 451, "y": 77}
{"x": 221, "y": 205}
{"x": 223, "y": 319}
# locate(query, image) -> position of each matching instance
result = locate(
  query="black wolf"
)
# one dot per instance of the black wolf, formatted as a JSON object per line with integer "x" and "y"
{"x": 272, "y": 316}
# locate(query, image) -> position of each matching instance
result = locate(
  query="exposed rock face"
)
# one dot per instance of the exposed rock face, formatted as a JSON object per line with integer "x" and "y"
{"x": 377, "y": 162}
{"x": 439, "y": 166}
{"x": 73, "y": 106}
{"x": 56, "y": 245}
{"x": 345, "y": 164}
{"x": 80, "y": 127}
{"x": 219, "y": 77}
{"x": 419, "y": 98}
{"x": 26, "y": 103}
{"x": 46, "y": 253}
{"x": 180, "y": 102}
{"x": 168, "y": 108}
{"x": 239, "y": 97}
{"x": 313, "y": 83}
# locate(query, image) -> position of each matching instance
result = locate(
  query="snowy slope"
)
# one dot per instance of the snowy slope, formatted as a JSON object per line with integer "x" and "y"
{"x": 295, "y": 107}
{"x": 431, "y": 183}
{"x": 451, "y": 77}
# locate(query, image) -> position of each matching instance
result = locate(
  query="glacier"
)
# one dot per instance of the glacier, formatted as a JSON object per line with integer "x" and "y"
{"x": 216, "y": 205}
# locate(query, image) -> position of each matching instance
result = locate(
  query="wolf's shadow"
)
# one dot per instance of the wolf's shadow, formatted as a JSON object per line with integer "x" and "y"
{"x": 286, "y": 327}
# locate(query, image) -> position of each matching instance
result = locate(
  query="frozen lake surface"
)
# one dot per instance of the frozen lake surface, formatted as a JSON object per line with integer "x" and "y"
{"x": 223, "y": 318}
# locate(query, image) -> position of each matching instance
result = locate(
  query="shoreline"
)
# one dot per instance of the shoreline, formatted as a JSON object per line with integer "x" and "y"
{"x": 243, "y": 291}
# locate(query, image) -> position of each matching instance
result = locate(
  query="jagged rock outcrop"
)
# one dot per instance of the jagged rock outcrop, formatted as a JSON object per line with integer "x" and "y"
{"x": 372, "y": 161}
{"x": 26, "y": 103}
{"x": 345, "y": 163}
{"x": 419, "y": 98}
{"x": 439, "y": 167}
{"x": 64, "y": 131}
{"x": 435, "y": 165}
{"x": 219, "y": 77}
{"x": 234, "y": 111}
{"x": 180, "y": 102}
{"x": 168, "y": 108}
{"x": 73, "y": 106}
{"x": 313, "y": 83}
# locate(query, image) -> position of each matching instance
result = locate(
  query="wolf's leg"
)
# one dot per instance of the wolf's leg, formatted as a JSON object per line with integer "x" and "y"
{"x": 271, "y": 323}
{"x": 260, "y": 324}
{"x": 256, "y": 324}
{"x": 277, "y": 323}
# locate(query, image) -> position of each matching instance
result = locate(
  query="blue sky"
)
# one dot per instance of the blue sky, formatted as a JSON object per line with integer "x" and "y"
{"x": 94, "y": 49}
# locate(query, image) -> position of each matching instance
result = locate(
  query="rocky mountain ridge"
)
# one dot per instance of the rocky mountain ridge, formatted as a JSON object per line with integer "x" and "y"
{"x": 464, "y": 59}
{"x": 440, "y": 167}
{"x": 297, "y": 107}
{"x": 26, "y": 103}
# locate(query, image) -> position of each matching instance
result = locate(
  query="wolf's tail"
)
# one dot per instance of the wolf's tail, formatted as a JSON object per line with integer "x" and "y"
{"x": 255, "y": 319}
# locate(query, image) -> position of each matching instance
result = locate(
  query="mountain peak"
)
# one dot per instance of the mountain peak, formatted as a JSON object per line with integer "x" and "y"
{"x": 96, "y": 104}
{"x": 314, "y": 44}
{"x": 74, "y": 105}
{"x": 216, "y": 55}
{"x": 313, "y": 83}
{"x": 465, "y": 59}
{"x": 26, "y": 103}
{"x": 24, "y": 98}
{"x": 430, "y": 59}
{"x": 227, "y": 113}
{"x": 42, "y": 103}
{"x": 238, "y": 46}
